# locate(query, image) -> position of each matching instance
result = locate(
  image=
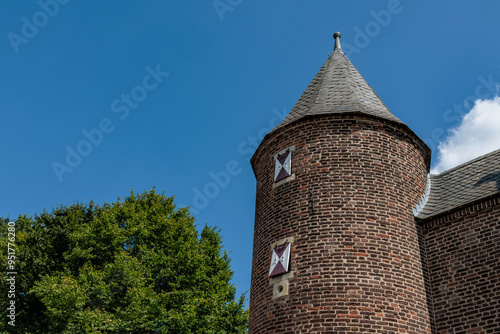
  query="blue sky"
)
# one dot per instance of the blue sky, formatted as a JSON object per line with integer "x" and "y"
{"x": 101, "y": 97}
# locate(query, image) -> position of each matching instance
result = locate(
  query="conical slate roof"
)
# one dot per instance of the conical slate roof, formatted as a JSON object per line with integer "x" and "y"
{"x": 338, "y": 88}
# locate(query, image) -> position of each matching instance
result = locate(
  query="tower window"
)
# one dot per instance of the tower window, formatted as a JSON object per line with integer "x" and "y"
{"x": 280, "y": 261}
{"x": 283, "y": 163}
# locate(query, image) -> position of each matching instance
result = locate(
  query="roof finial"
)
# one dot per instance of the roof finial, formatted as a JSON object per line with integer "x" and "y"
{"x": 337, "y": 35}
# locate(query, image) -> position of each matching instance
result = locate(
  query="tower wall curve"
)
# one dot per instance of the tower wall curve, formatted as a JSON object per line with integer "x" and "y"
{"x": 355, "y": 263}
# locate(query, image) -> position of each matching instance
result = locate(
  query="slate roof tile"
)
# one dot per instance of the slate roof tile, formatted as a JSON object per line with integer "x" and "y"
{"x": 338, "y": 88}
{"x": 464, "y": 184}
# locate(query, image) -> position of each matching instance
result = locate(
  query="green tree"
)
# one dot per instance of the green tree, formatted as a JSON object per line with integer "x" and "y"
{"x": 134, "y": 266}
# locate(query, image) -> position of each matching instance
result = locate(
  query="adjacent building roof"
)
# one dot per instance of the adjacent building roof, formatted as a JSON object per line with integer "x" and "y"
{"x": 470, "y": 182}
{"x": 337, "y": 88}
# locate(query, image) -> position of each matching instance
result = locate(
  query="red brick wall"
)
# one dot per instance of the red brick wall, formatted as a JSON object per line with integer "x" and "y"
{"x": 356, "y": 259}
{"x": 463, "y": 254}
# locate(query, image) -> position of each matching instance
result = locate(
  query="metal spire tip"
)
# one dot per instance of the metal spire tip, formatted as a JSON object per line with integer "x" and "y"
{"x": 337, "y": 35}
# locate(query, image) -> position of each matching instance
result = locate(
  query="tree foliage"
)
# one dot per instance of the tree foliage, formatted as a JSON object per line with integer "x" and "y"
{"x": 134, "y": 266}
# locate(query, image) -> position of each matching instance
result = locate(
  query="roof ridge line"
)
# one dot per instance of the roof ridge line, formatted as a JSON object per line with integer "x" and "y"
{"x": 484, "y": 156}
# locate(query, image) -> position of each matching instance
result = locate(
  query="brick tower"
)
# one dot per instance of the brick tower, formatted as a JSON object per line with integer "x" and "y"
{"x": 336, "y": 246}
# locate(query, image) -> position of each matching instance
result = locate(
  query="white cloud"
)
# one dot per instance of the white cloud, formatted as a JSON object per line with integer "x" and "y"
{"x": 478, "y": 134}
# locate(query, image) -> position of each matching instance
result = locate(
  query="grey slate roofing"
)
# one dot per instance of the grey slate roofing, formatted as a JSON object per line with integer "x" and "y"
{"x": 467, "y": 183}
{"x": 337, "y": 88}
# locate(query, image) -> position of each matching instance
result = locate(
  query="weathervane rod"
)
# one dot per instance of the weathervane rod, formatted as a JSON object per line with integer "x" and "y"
{"x": 337, "y": 35}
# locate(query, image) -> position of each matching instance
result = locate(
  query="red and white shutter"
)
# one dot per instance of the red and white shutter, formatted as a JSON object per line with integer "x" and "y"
{"x": 280, "y": 261}
{"x": 283, "y": 166}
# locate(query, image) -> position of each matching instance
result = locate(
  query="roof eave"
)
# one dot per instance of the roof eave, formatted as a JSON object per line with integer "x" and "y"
{"x": 425, "y": 149}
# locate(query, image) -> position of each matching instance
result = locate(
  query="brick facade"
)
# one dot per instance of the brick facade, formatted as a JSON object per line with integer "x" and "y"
{"x": 463, "y": 256}
{"x": 356, "y": 260}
